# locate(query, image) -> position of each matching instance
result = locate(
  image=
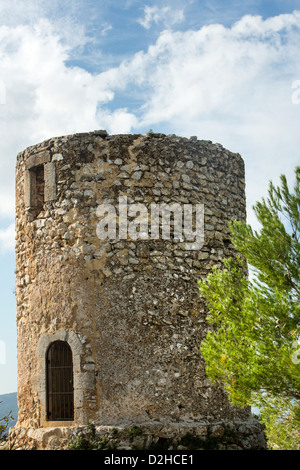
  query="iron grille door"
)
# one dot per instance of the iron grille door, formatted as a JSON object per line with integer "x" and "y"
{"x": 60, "y": 393}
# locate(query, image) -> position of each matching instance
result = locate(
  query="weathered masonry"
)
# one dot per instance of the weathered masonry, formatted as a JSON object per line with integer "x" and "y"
{"x": 109, "y": 330}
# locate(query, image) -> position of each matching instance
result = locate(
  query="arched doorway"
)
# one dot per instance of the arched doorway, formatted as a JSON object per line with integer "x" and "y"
{"x": 60, "y": 390}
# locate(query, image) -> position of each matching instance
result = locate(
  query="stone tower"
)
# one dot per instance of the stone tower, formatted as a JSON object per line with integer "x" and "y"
{"x": 109, "y": 316}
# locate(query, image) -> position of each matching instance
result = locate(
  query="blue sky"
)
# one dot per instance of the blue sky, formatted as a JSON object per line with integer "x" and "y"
{"x": 223, "y": 71}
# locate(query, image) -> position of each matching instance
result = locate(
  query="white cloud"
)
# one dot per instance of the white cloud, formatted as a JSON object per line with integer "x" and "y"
{"x": 7, "y": 238}
{"x": 42, "y": 97}
{"x": 105, "y": 28}
{"x": 62, "y": 16}
{"x": 230, "y": 85}
{"x": 165, "y": 15}
{"x": 119, "y": 121}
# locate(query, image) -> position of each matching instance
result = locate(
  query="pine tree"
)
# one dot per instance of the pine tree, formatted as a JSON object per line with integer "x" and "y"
{"x": 253, "y": 345}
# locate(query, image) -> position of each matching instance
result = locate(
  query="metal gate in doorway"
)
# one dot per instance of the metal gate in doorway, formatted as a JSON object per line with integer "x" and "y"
{"x": 60, "y": 391}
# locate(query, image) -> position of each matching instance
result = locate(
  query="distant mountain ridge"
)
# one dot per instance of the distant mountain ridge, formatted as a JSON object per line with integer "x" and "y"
{"x": 9, "y": 403}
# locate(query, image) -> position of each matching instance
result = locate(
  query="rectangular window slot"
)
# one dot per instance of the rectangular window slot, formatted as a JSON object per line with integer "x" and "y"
{"x": 39, "y": 187}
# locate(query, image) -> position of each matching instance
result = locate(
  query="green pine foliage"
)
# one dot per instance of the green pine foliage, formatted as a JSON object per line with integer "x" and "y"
{"x": 253, "y": 345}
{"x": 4, "y": 425}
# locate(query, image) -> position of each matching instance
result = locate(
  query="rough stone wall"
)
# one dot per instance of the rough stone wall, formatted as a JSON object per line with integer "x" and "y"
{"x": 131, "y": 309}
{"x": 224, "y": 435}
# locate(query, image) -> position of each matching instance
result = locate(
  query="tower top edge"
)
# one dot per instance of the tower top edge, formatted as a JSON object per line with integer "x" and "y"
{"x": 50, "y": 143}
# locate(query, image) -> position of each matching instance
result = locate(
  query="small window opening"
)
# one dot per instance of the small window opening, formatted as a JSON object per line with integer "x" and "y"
{"x": 36, "y": 190}
{"x": 40, "y": 188}
{"x": 60, "y": 391}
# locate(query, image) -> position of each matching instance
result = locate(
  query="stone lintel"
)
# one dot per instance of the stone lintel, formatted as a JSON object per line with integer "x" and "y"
{"x": 38, "y": 159}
